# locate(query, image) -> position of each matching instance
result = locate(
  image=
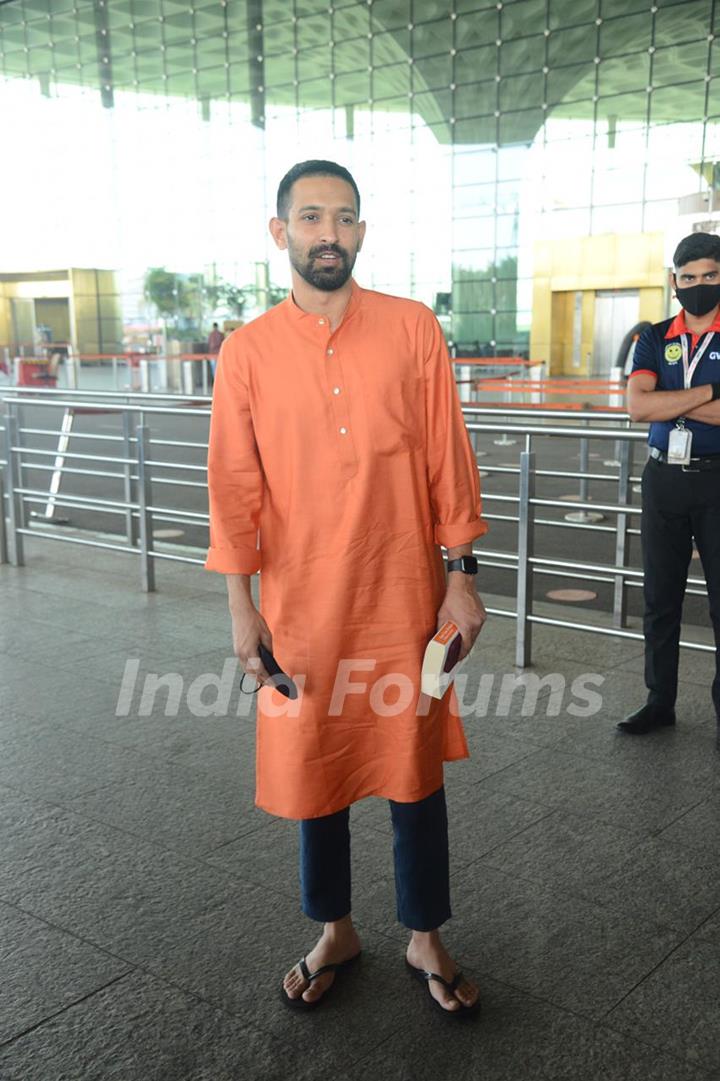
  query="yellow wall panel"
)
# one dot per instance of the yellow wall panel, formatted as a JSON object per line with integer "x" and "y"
{"x": 585, "y": 264}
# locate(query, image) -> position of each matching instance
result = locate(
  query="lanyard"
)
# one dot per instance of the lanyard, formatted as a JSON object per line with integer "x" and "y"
{"x": 689, "y": 369}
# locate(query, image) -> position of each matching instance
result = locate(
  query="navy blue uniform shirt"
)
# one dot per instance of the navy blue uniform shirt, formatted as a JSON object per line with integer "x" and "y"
{"x": 659, "y": 352}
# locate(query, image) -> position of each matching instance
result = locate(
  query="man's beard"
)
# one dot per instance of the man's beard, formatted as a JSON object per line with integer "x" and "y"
{"x": 316, "y": 273}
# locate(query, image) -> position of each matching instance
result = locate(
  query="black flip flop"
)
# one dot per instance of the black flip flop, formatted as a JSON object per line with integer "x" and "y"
{"x": 424, "y": 976}
{"x": 300, "y": 1003}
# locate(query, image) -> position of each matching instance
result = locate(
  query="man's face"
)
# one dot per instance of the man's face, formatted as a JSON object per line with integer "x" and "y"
{"x": 698, "y": 272}
{"x": 322, "y": 233}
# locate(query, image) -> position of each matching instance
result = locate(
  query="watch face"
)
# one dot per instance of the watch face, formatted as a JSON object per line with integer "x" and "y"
{"x": 469, "y": 564}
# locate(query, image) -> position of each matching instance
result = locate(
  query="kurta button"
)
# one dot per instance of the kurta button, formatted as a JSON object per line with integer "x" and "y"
{"x": 336, "y": 390}
{"x": 321, "y": 322}
{"x": 343, "y": 431}
{"x": 330, "y": 352}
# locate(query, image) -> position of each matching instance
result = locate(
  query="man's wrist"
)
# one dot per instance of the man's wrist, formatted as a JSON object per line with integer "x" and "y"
{"x": 459, "y": 581}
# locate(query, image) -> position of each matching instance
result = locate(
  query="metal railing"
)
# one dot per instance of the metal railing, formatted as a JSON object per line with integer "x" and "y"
{"x": 141, "y": 473}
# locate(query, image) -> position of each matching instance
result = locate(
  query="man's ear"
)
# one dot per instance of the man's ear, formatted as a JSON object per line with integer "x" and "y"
{"x": 362, "y": 227}
{"x": 673, "y": 280}
{"x": 278, "y": 231}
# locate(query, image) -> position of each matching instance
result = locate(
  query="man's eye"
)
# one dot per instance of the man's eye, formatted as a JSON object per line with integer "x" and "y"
{"x": 346, "y": 221}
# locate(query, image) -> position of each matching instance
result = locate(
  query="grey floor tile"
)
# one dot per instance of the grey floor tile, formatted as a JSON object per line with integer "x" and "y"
{"x": 558, "y": 946}
{"x": 597, "y": 650}
{"x": 234, "y": 952}
{"x": 59, "y": 765}
{"x": 633, "y": 793}
{"x": 516, "y": 1038}
{"x": 44, "y": 970}
{"x": 669, "y": 884}
{"x": 91, "y": 878}
{"x": 677, "y": 1007}
{"x": 490, "y": 752}
{"x": 175, "y": 806}
{"x": 698, "y": 827}
{"x": 269, "y": 856}
{"x": 687, "y": 750}
{"x": 479, "y": 820}
{"x": 142, "y": 1029}
{"x": 693, "y": 667}
{"x": 625, "y": 692}
{"x": 564, "y": 850}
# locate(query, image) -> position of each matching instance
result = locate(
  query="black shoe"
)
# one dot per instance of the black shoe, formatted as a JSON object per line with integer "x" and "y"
{"x": 646, "y": 720}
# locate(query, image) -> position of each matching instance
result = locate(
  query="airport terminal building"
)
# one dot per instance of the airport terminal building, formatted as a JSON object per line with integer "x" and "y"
{"x": 526, "y": 169}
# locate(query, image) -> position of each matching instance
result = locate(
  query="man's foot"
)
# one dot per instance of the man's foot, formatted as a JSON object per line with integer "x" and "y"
{"x": 338, "y": 942}
{"x": 426, "y": 951}
{"x": 647, "y": 719}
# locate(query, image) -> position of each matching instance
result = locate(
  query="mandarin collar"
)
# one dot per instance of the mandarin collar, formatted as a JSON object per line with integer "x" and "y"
{"x": 296, "y": 313}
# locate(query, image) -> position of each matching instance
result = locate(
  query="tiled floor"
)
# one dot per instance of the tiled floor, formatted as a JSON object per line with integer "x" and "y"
{"x": 148, "y": 910}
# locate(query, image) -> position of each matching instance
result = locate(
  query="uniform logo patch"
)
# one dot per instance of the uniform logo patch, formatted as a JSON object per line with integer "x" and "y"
{"x": 673, "y": 352}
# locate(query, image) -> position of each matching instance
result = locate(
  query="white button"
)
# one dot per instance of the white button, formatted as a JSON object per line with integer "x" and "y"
{"x": 336, "y": 390}
{"x": 321, "y": 322}
{"x": 343, "y": 431}
{"x": 330, "y": 352}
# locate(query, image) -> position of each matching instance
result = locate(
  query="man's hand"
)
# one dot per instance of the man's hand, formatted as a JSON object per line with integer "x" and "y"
{"x": 248, "y": 629}
{"x": 464, "y": 608}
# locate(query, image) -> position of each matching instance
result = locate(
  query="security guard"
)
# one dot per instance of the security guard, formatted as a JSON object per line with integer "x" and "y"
{"x": 675, "y": 384}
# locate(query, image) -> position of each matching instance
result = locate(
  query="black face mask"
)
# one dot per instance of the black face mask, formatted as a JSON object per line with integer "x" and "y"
{"x": 699, "y": 299}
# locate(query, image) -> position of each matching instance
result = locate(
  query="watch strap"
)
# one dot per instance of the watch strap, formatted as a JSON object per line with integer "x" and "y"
{"x": 466, "y": 564}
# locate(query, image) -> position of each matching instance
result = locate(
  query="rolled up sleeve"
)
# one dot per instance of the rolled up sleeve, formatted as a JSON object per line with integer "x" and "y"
{"x": 235, "y": 476}
{"x": 453, "y": 479}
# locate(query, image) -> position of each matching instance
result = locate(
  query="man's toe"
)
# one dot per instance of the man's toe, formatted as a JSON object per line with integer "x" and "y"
{"x": 467, "y": 993}
{"x": 317, "y": 988}
{"x": 446, "y": 1000}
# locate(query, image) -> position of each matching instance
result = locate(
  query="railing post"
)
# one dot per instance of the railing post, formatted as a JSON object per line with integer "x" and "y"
{"x": 526, "y": 520}
{"x": 147, "y": 562}
{"x": 3, "y": 531}
{"x": 73, "y": 369}
{"x": 14, "y": 481}
{"x": 187, "y": 377}
{"x": 144, "y": 375}
{"x": 584, "y": 469}
{"x": 131, "y": 524}
{"x": 621, "y": 536}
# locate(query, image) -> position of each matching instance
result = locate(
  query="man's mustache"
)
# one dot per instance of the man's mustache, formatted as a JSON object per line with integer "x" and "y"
{"x": 335, "y": 249}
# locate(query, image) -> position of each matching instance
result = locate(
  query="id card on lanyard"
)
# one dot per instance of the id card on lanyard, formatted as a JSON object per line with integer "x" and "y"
{"x": 680, "y": 438}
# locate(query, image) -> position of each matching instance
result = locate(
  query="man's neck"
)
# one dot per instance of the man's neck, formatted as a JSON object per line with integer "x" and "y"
{"x": 319, "y": 302}
{"x": 698, "y": 324}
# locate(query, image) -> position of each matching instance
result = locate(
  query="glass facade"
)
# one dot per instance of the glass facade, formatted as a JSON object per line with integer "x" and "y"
{"x": 142, "y": 134}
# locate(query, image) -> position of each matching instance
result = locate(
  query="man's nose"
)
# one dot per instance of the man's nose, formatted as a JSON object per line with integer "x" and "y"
{"x": 328, "y": 232}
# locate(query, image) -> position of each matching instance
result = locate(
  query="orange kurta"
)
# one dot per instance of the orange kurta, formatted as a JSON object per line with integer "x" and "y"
{"x": 339, "y": 462}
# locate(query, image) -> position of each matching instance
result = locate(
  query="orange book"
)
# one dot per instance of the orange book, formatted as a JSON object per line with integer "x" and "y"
{"x": 441, "y": 660}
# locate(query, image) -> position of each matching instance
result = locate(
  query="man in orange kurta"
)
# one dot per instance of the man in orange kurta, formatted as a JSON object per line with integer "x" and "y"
{"x": 339, "y": 464}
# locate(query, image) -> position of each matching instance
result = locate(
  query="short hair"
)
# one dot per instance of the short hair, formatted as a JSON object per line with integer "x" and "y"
{"x": 316, "y": 167}
{"x": 697, "y": 246}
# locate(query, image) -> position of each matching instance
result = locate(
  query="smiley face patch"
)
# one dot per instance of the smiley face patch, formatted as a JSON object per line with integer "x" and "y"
{"x": 673, "y": 352}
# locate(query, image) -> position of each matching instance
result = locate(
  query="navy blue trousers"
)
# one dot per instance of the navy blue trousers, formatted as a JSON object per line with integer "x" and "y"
{"x": 420, "y": 850}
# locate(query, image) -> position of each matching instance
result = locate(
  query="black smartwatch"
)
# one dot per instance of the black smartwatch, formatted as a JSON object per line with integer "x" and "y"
{"x": 466, "y": 564}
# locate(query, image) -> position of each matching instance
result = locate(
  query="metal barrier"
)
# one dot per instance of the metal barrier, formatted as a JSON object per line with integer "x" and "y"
{"x": 140, "y": 473}
{"x": 133, "y": 372}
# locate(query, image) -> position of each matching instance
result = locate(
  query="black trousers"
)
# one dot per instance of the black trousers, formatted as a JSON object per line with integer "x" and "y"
{"x": 677, "y": 506}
